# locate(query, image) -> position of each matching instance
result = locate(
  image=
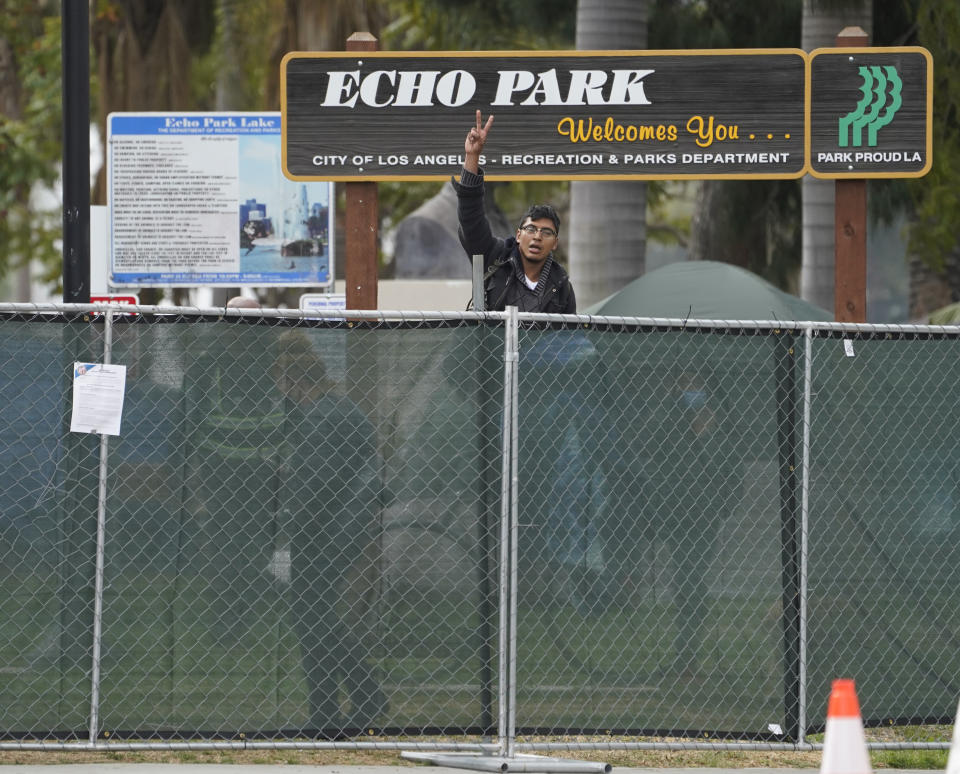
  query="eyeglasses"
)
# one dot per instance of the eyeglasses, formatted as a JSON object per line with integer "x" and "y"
{"x": 546, "y": 232}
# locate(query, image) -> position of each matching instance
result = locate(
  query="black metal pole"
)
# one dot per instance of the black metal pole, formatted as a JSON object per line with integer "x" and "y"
{"x": 786, "y": 416}
{"x": 488, "y": 498}
{"x": 75, "y": 54}
{"x": 486, "y": 505}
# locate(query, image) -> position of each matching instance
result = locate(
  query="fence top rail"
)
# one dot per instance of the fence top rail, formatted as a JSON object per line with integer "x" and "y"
{"x": 583, "y": 321}
{"x": 383, "y": 315}
{"x": 588, "y": 321}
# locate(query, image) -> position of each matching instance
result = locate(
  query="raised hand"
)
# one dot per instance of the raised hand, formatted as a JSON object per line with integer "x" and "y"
{"x": 477, "y": 137}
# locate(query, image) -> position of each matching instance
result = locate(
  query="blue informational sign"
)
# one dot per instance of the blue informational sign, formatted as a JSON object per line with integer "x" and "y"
{"x": 200, "y": 199}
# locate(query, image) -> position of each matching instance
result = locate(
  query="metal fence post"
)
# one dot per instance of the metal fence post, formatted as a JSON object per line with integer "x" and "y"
{"x": 485, "y": 395}
{"x": 804, "y": 537}
{"x": 513, "y": 359}
{"x": 101, "y": 539}
{"x": 507, "y": 640}
{"x": 479, "y": 302}
{"x": 785, "y": 360}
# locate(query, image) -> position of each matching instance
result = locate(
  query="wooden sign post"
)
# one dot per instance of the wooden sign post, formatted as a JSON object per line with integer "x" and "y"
{"x": 850, "y": 230}
{"x": 361, "y": 218}
{"x": 869, "y": 117}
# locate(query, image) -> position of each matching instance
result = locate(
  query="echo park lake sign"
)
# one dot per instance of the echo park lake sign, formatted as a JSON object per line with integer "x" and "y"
{"x": 587, "y": 115}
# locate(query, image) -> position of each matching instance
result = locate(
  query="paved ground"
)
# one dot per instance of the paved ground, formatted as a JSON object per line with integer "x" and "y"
{"x": 214, "y": 768}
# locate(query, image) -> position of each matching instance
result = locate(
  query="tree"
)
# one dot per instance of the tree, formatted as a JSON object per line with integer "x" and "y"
{"x": 935, "y": 201}
{"x": 224, "y": 54}
{"x": 30, "y": 133}
{"x": 424, "y": 25}
{"x": 318, "y": 25}
{"x": 607, "y": 233}
{"x": 143, "y": 56}
{"x": 163, "y": 55}
{"x": 229, "y": 88}
{"x": 144, "y": 53}
{"x": 750, "y": 223}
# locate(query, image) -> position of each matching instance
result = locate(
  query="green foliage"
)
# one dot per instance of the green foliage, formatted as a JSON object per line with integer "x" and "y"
{"x": 933, "y": 233}
{"x": 480, "y": 24}
{"x": 725, "y": 24}
{"x": 255, "y": 25}
{"x": 754, "y": 224}
{"x": 30, "y": 137}
{"x": 893, "y": 23}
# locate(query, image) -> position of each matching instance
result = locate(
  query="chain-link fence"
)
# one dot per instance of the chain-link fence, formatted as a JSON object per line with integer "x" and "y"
{"x": 474, "y": 525}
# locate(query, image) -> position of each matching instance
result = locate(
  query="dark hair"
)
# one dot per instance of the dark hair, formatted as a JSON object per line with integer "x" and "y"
{"x": 538, "y": 211}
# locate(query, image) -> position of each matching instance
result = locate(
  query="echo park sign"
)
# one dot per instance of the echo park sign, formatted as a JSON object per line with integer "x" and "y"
{"x": 587, "y": 115}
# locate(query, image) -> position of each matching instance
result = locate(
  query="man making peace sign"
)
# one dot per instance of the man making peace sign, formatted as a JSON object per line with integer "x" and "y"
{"x": 518, "y": 271}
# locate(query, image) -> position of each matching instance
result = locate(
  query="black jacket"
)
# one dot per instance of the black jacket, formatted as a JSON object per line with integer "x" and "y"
{"x": 502, "y": 262}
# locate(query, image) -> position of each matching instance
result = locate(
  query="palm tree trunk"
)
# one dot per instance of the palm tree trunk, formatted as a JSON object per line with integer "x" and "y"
{"x": 608, "y": 219}
{"x": 229, "y": 93}
{"x": 821, "y": 25}
{"x": 320, "y": 25}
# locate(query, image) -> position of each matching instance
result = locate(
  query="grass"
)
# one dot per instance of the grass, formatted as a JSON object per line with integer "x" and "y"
{"x": 161, "y": 663}
{"x": 206, "y": 679}
{"x": 732, "y": 759}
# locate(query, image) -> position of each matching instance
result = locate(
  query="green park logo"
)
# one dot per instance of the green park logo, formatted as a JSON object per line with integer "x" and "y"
{"x": 875, "y": 110}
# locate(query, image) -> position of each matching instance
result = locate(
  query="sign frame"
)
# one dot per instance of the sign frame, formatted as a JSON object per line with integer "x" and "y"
{"x": 295, "y": 68}
{"x": 861, "y": 53}
{"x": 182, "y": 183}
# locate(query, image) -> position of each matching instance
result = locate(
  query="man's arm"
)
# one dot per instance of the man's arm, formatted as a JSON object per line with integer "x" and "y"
{"x": 475, "y": 234}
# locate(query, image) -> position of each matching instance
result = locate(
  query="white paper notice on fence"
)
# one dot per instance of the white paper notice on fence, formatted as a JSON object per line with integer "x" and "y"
{"x": 97, "y": 398}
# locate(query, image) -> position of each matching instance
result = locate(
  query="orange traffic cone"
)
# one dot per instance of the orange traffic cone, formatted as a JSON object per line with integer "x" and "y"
{"x": 953, "y": 760}
{"x": 844, "y": 744}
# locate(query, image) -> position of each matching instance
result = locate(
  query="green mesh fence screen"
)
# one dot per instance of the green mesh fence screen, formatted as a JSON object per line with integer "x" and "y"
{"x": 884, "y": 521}
{"x": 650, "y": 514}
{"x": 298, "y": 530}
{"x": 302, "y": 525}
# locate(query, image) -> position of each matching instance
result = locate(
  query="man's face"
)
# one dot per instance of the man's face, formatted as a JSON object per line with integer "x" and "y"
{"x": 536, "y": 246}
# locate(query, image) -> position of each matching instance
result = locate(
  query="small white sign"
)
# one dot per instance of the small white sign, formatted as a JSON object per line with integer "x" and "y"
{"x": 848, "y": 347}
{"x": 126, "y": 300}
{"x": 97, "y": 398}
{"x": 130, "y": 298}
{"x": 323, "y": 302}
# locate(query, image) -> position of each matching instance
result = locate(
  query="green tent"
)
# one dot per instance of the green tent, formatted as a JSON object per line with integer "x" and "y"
{"x": 706, "y": 290}
{"x": 946, "y": 315}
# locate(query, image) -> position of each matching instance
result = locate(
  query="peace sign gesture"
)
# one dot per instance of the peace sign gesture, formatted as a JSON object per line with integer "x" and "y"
{"x": 477, "y": 136}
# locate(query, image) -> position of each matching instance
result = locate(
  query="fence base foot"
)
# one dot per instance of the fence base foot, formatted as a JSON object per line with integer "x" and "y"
{"x": 519, "y": 763}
